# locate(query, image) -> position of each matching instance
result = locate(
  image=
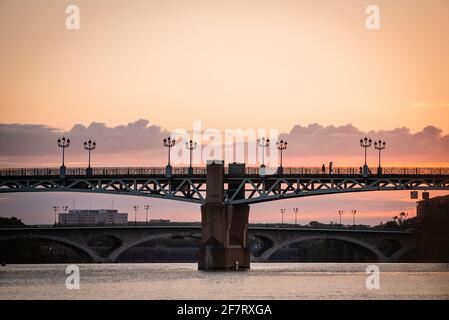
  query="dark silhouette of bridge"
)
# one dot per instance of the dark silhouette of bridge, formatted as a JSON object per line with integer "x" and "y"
{"x": 264, "y": 241}
{"x": 224, "y": 194}
{"x": 242, "y": 185}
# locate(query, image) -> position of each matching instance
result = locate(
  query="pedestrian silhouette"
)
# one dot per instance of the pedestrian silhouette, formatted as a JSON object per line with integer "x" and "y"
{"x": 331, "y": 167}
{"x": 323, "y": 169}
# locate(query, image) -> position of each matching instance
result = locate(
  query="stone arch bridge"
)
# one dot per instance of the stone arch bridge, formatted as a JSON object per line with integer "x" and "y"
{"x": 265, "y": 241}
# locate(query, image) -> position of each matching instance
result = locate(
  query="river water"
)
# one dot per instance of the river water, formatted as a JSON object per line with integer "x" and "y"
{"x": 263, "y": 281}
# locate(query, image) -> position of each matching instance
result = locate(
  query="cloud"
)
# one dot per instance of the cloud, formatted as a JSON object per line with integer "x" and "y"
{"x": 140, "y": 143}
{"x": 22, "y": 143}
{"x": 429, "y": 145}
{"x": 29, "y": 139}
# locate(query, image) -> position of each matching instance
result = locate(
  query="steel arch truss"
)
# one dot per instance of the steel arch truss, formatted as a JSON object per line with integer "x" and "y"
{"x": 188, "y": 189}
{"x": 256, "y": 189}
{"x": 238, "y": 190}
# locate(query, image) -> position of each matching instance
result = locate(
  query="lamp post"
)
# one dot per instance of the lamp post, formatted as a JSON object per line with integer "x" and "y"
{"x": 365, "y": 143}
{"x": 340, "y": 212}
{"x": 63, "y": 143}
{"x": 262, "y": 142}
{"x": 65, "y": 208}
{"x": 135, "y": 214}
{"x": 147, "y": 207}
{"x": 89, "y": 146}
{"x": 282, "y": 215}
{"x": 353, "y": 218}
{"x": 169, "y": 143}
{"x": 281, "y": 145}
{"x": 379, "y": 145}
{"x": 55, "y": 209}
{"x": 190, "y": 145}
{"x": 295, "y": 210}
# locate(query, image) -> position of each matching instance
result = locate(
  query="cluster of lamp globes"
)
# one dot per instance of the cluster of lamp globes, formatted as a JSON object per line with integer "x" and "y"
{"x": 136, "y": 208}
{"x": 64, "y": 143}
{"x": 295, "y": 210}
{"x": 378, "y": 145}
{"x": 170, "y": 142}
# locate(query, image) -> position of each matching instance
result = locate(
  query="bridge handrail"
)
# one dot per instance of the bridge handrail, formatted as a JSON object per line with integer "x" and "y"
{"x": 14, "y": 172}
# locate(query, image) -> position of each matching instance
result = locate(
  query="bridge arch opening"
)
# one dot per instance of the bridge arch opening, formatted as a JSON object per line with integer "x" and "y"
{"x": 104, "y": 244}
{"x": 388, "y": 246}
{"x": 323, "y": 249}
{"x": 43, "y": 250}
{"x": 258, "y": 244}
{"x": 160, "y": 248}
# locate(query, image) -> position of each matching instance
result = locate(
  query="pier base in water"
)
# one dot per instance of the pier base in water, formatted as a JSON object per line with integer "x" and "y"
{"x": 224, "y": 244}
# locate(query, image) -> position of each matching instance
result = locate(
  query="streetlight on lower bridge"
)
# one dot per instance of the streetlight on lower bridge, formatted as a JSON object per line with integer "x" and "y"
{"x": 135, "y": 214}
{"x": 146, "y": 207}
{"x": 340, "y": 212}
{"x": 296, "y": 210}
{"x": 353, "y": 218}
{"x": 282, "y": 215}
{"x": 65, "y": 208}
{"x": 55, "y": 209}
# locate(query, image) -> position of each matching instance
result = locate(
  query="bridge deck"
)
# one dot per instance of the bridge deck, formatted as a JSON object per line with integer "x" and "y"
{"x": 246, "y": 188}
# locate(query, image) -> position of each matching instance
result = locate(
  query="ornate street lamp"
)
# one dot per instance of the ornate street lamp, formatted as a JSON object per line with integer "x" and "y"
{"x": 169, "y": 143}
{"x": 282, "y": 215}
{"x": 135, "y": 214}
{"x": 379, "y": 145}
{"x": 63, "y": 144}
{"x": 190, "y": 145}
{"x": 281, "y": 145}
{"x": 55, "y": 209}
{"x": 264, "y": 143}
{"x": 146, "y": 207}
{"x": 353, "y": 217}
{"x": 340, "y": 212}
{"x": 296, "y": 210}
{"x": 365, "y": 143}
{"x": 89, "y": 146}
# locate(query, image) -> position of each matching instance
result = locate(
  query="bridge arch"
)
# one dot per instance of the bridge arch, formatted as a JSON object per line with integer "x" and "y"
{"x": 267, "y": 254}
{"x": 398, "y": 254}
{"x": 264, "y": 241}
{"x": 69, "y": 243}
{"x": 117, "y": 252}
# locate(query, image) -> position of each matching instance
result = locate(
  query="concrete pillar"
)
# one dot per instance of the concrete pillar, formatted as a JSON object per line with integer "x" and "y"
{"x": 224, "y": 244}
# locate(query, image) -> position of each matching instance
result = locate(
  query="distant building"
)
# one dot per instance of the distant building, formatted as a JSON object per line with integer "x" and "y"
{"x": 435, "y": 205}
{"x": 93, "y": 217}
{"x": 433, "y": 215}
{"x": 159, "y": 221}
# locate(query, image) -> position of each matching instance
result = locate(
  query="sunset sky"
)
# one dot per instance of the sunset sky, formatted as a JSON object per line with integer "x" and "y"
{"x": 136, "y": 70}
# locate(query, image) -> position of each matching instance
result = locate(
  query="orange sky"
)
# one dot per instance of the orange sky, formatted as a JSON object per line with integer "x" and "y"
{"x": 263, "y": 64}
{"x": 236, "y": 63}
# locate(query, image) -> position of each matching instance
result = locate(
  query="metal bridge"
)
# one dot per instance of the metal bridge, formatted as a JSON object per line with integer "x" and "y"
{"x": 225, "y": 194}
{"x": 242, "y": 187}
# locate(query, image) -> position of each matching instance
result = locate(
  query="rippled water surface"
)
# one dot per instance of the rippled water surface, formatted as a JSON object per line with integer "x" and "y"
{"x": 263, "y": 281}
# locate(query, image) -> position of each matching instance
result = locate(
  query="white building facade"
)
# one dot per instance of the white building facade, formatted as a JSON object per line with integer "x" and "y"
{"x": 93, "y": 217}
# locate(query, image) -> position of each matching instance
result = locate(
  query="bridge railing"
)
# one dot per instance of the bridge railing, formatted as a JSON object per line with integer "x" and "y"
{"x": 120, "y": 171}
{"x": 107, "y": 171}
{"x": 355, "y": 170}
